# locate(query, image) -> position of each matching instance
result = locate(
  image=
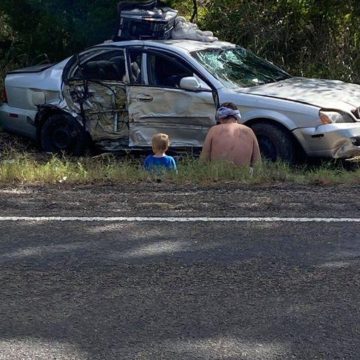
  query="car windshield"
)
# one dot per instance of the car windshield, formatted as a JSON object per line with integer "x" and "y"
{"x": 239, "y": 67}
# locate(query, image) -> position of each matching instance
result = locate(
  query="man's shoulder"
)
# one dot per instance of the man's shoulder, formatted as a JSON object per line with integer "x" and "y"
{"x": 216, "y": 128}
{"x": 236, "y": 125}
{"x": 244, "y": 128}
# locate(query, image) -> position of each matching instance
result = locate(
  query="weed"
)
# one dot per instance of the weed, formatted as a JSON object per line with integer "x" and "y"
{"x": 26, "y": 168}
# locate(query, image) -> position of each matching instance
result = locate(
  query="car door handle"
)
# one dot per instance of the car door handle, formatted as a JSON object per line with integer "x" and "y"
{"x": 144, "y": 97}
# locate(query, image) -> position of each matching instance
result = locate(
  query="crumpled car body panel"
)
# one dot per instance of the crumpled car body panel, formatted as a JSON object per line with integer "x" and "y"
{"x": 185, "y": 116}
{"x": 105, "y": 108}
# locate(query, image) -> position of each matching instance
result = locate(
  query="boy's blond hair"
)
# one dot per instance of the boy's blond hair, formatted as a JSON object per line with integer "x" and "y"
{"x": 160, "y": 142}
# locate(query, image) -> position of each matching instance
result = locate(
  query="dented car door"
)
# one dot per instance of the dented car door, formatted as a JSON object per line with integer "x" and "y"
{"x": 157, "y": 103}
{"x": 95, "y": 89}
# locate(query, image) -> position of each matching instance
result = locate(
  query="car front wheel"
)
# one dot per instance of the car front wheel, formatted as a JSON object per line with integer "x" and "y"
{"x": 61, "y": 133}
{"x": 275, "y": 143}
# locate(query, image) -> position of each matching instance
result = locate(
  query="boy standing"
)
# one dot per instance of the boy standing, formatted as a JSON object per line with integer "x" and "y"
{"x": 160, "y": 161}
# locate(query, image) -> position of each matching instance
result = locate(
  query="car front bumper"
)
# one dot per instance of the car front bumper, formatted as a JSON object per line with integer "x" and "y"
{"x": 337, "y": 141}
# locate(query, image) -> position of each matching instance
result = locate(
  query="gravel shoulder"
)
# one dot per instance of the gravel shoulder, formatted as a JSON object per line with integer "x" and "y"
{"x": 152, "y": 199}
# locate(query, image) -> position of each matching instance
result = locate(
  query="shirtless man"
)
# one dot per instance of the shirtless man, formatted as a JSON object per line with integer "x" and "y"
{"x": 230, "y": 140}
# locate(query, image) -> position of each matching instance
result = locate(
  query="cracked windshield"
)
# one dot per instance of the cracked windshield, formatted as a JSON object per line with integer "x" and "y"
{"x": 238, "y": 67}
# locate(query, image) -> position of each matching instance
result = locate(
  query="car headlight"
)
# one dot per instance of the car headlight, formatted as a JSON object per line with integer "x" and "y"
{"x": 331, "y": 117}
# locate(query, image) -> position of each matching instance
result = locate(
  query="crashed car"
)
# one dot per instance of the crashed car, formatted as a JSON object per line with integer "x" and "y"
{"x": 118, "y": 94}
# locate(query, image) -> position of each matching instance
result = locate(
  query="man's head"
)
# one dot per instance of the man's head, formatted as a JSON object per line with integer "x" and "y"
{"x": 160, "y": 142}
{"x": 228, "y": 112}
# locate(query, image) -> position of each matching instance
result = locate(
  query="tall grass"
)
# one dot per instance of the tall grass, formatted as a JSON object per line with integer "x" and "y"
{"x": 27, "y": 169}
{"x": 24, "y": 169}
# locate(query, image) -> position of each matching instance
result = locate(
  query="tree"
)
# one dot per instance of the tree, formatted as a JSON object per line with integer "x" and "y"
{"x": 310, "y": 37}
{"x": 60, "y": 27}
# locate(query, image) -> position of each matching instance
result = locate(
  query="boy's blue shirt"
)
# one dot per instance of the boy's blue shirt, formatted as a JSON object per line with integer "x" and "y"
{"x": 156, "y": 163}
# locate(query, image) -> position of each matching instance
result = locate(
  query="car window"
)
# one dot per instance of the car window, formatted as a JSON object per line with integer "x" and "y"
{"x": 106, "y": 66}
{"x": 239, "y": 67}
{"x": 135, "y": 70}
{"x": 166, "y": 71}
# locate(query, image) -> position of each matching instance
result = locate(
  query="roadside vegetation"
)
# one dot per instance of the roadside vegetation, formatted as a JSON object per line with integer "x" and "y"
{"x": 309, "y": 38}
{"x": 33, "y": 168}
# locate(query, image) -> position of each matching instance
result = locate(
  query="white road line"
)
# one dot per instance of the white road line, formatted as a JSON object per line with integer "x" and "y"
{"x": 176, "y": 219}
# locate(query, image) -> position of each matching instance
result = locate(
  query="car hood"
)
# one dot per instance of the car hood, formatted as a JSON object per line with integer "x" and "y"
{"x": 329, "y": 94}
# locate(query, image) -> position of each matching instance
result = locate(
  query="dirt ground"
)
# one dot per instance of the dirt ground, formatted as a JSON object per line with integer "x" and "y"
{"x": 152, "y": 199}
{"x": 10, "y": 142}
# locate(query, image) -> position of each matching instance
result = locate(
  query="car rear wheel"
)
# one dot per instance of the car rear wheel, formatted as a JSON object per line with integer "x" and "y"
{"x": 61, "y": 133}
{"x": 275, "y": 143}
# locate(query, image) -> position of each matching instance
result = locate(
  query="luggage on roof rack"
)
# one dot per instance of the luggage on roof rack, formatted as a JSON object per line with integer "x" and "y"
{"x": 144, "y": 20}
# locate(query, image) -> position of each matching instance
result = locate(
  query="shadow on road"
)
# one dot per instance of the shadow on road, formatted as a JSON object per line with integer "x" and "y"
{"x": 179, "y": 291}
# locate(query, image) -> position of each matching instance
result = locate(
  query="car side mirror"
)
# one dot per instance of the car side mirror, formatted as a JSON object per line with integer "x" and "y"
{"x": 190, "y": 83}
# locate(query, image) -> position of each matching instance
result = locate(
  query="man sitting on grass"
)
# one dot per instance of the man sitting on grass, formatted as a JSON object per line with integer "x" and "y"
{"x": 230, "y": 140}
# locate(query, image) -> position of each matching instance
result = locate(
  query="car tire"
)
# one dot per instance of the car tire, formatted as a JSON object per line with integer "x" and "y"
{"x": 276, "y": 144}
{"x": 61, "y": 133}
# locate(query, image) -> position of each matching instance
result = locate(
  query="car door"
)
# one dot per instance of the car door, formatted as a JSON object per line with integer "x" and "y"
{"x": 95, "y": 88}
{"x": 157, "y": 103}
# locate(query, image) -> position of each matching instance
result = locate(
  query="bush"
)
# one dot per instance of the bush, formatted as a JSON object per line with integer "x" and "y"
{"x": 308, "y": 38}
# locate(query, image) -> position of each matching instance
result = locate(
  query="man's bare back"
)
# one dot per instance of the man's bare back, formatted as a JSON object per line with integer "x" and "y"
{"x": 231, "y": 142}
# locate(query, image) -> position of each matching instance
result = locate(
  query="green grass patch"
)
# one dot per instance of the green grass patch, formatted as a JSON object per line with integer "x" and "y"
{"x": 32, "y": 169}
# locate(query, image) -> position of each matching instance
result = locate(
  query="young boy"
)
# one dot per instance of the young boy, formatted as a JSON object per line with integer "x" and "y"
{"x": 160, "y": 161}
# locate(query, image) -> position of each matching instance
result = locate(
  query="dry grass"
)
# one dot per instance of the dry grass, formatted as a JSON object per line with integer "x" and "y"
{"x": 22, "y": 163}
{"x": 27, "y": 168}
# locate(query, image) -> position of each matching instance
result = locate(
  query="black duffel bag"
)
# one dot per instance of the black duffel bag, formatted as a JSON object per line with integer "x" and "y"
{"x": 144, "y": 20}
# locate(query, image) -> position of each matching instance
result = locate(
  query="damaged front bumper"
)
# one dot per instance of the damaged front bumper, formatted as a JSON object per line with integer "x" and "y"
{"x": 337, "y": 141}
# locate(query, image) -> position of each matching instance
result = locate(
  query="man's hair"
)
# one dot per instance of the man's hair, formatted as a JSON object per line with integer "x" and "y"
{"x": 229, "y": 105}
{"x": 160, "y": 142}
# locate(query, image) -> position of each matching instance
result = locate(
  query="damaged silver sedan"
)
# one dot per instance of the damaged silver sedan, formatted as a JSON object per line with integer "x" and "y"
{"x": 118, "y": 94}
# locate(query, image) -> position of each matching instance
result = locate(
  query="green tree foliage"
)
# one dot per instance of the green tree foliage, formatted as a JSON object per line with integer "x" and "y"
{"x": 308, "y": 37}
{"x": 62, "y": 27}
{"x": 59, "y": 27}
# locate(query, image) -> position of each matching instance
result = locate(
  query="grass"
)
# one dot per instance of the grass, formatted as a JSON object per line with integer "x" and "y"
{"x": 25, "y": 168}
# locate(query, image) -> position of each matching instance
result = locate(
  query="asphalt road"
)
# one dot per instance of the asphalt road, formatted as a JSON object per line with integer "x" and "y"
{"x": 154, "y": 290}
